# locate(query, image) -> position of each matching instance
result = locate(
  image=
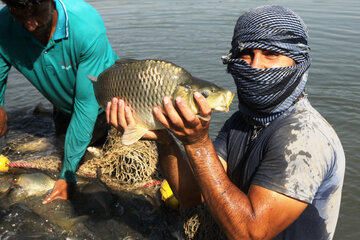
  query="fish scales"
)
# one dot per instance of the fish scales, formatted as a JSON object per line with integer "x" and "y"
{"x": 143, "y": 84}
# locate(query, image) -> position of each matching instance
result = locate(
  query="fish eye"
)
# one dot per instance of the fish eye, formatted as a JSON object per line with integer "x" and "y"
{"x": 15, "y": 180}
{"x": 205, "y": 93}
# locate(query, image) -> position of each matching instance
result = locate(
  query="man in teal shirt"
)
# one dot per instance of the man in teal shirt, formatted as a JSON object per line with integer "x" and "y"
{"x": 55, "y": 44}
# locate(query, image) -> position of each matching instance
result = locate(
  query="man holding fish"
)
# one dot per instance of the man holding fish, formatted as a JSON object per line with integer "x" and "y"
{"x": 276, "y": 169}
{"x": 55, "y": 44}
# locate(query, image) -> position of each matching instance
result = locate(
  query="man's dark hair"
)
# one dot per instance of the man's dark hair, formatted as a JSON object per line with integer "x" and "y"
{"x": 23, "y": 4}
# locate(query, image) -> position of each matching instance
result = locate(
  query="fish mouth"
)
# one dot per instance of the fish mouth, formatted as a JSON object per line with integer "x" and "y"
{"x": 226, "y": 101}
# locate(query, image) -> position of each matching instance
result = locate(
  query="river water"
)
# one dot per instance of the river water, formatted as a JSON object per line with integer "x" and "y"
{"x": 195, "y": 34}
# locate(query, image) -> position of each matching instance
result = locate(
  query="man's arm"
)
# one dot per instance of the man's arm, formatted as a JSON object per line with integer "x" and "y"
{"x": 3, "y": 121}
{"x": 260, "y": 214}
{"x": 93, "y": 60}
{"x": 179, "y": 175}
{"x": 4, "y": 71}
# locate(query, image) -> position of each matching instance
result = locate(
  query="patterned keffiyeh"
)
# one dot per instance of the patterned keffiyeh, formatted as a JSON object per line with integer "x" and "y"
{"x": 264, "y": 94}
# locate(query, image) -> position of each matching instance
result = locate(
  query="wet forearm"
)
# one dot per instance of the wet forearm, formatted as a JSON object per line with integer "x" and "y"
{"x": 178, "y": 173}
{"x": 230, "y": 207}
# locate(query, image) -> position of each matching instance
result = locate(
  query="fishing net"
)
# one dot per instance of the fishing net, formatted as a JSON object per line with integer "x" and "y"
{"x": 123, "y": 167}
{"x": 200, "y": 225}
{"x": 29, "y": 151}
{"x": 118, "y": 166}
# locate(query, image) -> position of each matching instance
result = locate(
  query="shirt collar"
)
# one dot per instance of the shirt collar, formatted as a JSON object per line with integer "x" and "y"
{"x": 61, "y": 30}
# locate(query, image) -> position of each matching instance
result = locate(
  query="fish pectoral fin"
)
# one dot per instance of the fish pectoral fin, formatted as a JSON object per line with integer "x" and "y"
{"x": 133, "y": 133}
{"x": 92, "y": 78}
{"x": 204, "y": 118}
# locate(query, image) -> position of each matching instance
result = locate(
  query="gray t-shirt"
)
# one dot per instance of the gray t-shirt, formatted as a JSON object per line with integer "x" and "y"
{"x": 298, "y": 155}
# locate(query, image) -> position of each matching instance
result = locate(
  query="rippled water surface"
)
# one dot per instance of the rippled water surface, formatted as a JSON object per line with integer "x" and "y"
{"x": 195, "y": 34}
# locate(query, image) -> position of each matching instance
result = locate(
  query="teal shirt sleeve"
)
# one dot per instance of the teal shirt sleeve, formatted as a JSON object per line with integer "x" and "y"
{"x": 97, "y": 57}
{"x": 4, "y": 71}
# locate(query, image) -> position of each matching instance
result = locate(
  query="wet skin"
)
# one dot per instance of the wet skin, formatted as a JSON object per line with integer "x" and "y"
{"x": 3, "y": 121}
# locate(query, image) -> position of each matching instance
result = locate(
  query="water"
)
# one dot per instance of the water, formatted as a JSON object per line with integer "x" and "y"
{"x": 195, "y": 34}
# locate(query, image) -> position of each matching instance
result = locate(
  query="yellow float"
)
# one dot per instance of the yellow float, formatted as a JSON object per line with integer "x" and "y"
{"x": 4, "y": 162}
{"x": 168, "y": 196}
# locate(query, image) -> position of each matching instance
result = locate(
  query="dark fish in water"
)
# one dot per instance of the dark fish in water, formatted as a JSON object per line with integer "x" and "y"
{"x": 144, "y": 83}
{"x": 94, "y": 198}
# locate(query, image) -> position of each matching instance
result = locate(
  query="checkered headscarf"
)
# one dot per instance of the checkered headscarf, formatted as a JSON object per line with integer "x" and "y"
{"x": 264, "y": 94}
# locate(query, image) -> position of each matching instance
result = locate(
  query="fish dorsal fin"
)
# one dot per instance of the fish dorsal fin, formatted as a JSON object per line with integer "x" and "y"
{"x": 92, "y": 78}
{"x": 125, "y": 61}
{"x": 133, "y": 133}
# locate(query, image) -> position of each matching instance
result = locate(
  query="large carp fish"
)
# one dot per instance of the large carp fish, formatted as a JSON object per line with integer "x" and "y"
{"x": 144, "y": 83}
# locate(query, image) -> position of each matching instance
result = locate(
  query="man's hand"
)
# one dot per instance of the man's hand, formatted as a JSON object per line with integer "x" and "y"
{"x": 119, "y": 115}
{"x": 3, "y": 121}
{"x": 183, "y": 123}
{"x": 60, "y": 191}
